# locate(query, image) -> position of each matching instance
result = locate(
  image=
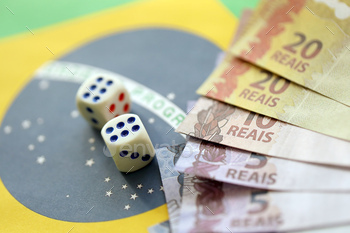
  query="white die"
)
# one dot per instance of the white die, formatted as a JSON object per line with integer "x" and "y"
{"x": 101, "y": 98}
{"x": 128, "y": 142}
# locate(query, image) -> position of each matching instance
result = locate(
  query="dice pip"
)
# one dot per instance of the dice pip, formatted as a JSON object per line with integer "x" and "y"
{"x": 101, "y": 98}
{"x": 128, "y": 142}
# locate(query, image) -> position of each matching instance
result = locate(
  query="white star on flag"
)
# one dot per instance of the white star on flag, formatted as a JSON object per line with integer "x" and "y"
{"x": 124, "y": 186}
{"x": 133, "y": 196}
{"x": 151, "y": 120}
{"x": 171, "y": 96}
{"x": 44, "y": 84}
{"x": 40, "y": 160}
{"x": 139, "y": 186}
{"x": 41, "y": 138}
{"x": 127, "y": 207}
{"x": 7, "y": 129}
{"x": 31, "y": 147}
{"x": 109, "y": 193}
{"x": 89, "y": 162}
{"x": 150, "y": 191}
{"x": 74, "y": 114}
{"x": 107, "y": 179}
{"x": 26, "y": 124}
{"x": 161, "y": 188}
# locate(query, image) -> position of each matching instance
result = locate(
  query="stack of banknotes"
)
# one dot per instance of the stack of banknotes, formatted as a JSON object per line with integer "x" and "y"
{"x": 268, "y": 143}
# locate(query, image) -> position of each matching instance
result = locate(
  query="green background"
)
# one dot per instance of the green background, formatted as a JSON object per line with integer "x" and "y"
{"x": 38, "y": 13}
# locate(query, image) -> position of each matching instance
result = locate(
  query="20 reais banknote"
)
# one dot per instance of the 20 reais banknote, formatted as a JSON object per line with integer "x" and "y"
{"x": 305, "y": 41}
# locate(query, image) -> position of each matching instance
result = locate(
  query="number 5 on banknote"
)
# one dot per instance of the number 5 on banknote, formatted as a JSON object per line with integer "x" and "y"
{"x": 263, "y": 204}
{"x": 259, "y": 213}
{"x": 262, "y": 161}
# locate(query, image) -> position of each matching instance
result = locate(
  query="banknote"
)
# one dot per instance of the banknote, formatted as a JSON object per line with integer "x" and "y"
{"x": 305, "y": 41}
{"x": 225, "y": 124}
{"x": 239, "y": 83}
{"x": 246, "y": 15}
{"x": 172, "y": 181}
{"x": 163, "y": 227}
{"x": 336, "y": 229}
{"x": 212, "y": 206}
{"x": 229, "y": 165}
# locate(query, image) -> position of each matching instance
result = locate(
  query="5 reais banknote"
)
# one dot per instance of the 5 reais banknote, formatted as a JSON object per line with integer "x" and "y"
{"x": 212, "y": 206}
{"x": 229, "y": 165}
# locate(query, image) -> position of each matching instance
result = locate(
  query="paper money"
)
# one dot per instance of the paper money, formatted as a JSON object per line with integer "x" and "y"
{"x": 163, "y": 227}
{"x": 225, "y": 124}
{"x": 229, "y": 165}
{"x": 246, "y": 15}
{"x": 337, "y": 229}
{"x": 172, "y": 181}
{"x": 305, "y": 41}
{"x": 244, "y": 85}
{"x": 212, "y": 206}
